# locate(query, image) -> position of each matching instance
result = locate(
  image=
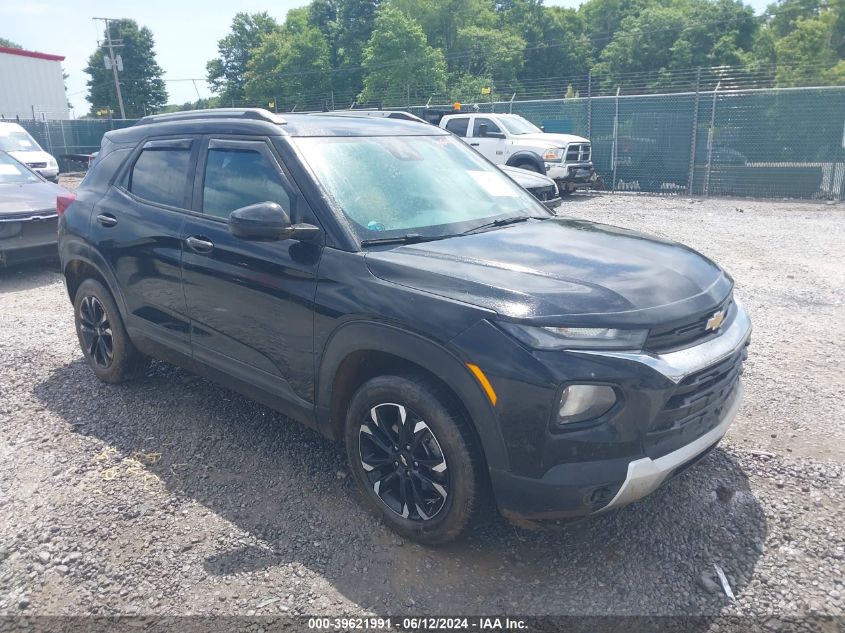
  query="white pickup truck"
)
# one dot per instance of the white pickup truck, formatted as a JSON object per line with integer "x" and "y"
{"x": 509, "y": 139}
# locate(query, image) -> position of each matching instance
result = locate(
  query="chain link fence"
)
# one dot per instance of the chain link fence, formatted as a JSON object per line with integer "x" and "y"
{"x": 763, "y": 143}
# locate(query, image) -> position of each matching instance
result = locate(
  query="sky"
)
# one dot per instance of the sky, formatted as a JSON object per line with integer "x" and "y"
{"x": 185, "y": 31}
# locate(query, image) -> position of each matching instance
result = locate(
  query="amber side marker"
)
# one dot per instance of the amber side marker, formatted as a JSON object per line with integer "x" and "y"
{"x": 485, "y": 384}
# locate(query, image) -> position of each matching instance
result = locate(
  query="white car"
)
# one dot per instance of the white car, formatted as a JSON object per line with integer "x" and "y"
{"x": 17, "y": 141}
{"x": 509, "y": 139}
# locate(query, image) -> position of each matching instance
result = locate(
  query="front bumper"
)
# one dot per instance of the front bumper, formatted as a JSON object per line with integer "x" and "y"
{"x": 571, "y": 173}
{"x": 625, "y": 471}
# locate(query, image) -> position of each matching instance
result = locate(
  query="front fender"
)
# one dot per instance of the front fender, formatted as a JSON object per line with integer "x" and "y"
{"x": 357, "y": 336}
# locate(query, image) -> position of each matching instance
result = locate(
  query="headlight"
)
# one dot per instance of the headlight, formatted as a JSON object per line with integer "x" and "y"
{"x": 558, "y": 338}
{"x": 52, "y": 164}
{"x": 553, "y": 155}
{"x": 579, "y": 403}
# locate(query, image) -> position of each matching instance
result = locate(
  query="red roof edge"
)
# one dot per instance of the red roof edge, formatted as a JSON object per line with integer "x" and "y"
{"x": 36, "y": 55}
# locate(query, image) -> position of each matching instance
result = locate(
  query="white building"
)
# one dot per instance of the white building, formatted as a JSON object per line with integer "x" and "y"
{"x": 31, "y": 85}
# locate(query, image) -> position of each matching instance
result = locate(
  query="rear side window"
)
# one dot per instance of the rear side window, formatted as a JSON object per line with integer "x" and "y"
{"x": 160, "y": 173}
{"x": 101, "y": 172}
{"x": 458, "y": 126}
{"x": 238, "y": 177}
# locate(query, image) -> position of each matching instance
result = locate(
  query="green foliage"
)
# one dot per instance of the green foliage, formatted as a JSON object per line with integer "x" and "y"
{"x": 226, "y": 73}
{"x": 9, "y": 43}
{"x": 289, "y": 63}
{"x": 397, "y": 55}
{"x": 378, "y": 49}
{"x": 806, "y": 55}
{"x": 141, "y": 81}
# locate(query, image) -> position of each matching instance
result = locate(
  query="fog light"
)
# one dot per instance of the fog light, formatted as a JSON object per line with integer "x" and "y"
{"x": 585, "y": 402}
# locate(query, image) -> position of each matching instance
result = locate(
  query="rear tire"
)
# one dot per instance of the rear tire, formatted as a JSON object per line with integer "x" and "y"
{"x": 414, "y": 458}
{"x": 102, "y": 336}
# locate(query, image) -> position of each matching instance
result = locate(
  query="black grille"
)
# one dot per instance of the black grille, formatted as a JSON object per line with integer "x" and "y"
{"x": 690, "y": 331}
{"x": 578, "y": 152}
{"x": 696, "y": 406}
{"x": 37, "y": 165}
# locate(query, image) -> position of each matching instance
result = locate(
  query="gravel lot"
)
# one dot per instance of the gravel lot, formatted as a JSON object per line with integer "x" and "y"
{"x": 173, "y": 495}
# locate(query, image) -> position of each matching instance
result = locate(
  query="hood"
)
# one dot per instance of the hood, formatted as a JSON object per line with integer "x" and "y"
{"x": 550, "y": 140}
{"x": 22, "y": 198}
{"x": 527, "y": 179}
{"x": 561, "y": 271}
{"x": 34, "y": 156}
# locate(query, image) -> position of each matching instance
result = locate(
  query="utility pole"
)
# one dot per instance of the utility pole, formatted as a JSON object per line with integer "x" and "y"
{"x": 112, "y": 44}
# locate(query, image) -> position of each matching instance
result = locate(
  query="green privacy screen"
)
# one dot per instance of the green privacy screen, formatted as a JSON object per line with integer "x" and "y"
{"x": 771, "y": 143}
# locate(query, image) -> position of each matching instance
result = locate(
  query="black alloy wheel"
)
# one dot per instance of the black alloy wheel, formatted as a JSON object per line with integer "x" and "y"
{"x": 96, "y": 332}
{"x": 403, "y": 462}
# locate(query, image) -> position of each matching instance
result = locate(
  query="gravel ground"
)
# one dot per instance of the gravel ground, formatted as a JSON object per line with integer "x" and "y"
{"x": 173, "y": 495}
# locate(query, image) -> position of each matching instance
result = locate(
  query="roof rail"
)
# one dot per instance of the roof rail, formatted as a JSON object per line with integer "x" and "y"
{"x": 256, "y": 114}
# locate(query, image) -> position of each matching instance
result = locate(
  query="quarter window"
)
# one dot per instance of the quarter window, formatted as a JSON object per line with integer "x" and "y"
{"x": 160, "y": 175}
{"x": 238, "y": 177}
{"x": 458, "y": 126}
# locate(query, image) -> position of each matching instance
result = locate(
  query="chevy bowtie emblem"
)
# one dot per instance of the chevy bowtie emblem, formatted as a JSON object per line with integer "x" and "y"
{"x": 715, "y": 321}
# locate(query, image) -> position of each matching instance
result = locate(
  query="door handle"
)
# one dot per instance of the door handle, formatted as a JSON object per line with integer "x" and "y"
{"x": 107, "y": 219}
{"x": 474, "y": 144}
{"x": 199, "y": 244}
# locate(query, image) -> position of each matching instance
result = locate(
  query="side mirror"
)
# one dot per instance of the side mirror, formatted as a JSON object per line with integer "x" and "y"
{"x": 483, "y": 130}
{"x": 267, "y": 222}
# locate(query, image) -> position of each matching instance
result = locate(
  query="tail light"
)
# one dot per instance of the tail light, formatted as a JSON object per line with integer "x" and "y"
{"x": 63, "y": 201}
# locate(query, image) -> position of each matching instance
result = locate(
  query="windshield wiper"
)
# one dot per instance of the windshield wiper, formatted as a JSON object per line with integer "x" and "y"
{"x": 408, "y": 238}
{"x": 502, "y": 222}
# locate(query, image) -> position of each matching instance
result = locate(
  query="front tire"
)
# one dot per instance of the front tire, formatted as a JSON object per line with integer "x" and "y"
{"x": 102, "y": 336}
{"x": 414, "y": 458}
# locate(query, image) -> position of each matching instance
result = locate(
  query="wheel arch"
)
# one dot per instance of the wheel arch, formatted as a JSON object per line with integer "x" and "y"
{"x": 525, "y": 156}
{"x": 81, "y": 262}
{"x": 362, "y": 350}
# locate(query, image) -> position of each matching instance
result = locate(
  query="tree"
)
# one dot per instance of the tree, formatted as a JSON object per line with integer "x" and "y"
{"x": 290, "y": 67}
{"x": 347, "y": 26}
{"x": 141, "y": 82}
{"x": 398, "y": 56}
{"x": 9, "y": 43}
{"x": 805, "y": 56}
{"x": 682, "y": 35}
{"x": 227, "y": 73}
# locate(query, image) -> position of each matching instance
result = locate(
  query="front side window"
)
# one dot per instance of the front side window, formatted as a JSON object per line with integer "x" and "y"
{"x": 479, "y": 121}
{"x": 428, "y": 185}
{"x": 238, "y": 177}
{"x": 458, "y": 126}
{"x": 161, "y": 175}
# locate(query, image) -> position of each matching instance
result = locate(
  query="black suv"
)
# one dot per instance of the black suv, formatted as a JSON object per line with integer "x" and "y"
{"x": 385, "y": 284}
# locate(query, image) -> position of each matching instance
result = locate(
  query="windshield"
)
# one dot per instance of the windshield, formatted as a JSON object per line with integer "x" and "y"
{"x": 431, "y": 186}
{"x": 17, "y": 141}
{"x": 13, "y": 173}
{"x": 518, "y": 125}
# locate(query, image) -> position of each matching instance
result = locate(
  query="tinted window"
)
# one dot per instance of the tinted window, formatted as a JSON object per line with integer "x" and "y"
{"x": 161, "y": 175}
{"x": 491, "y": 127}
{"x": 236, "y": 177}
{"x": 101, "y": 172}
{"x": 458, "y": 126}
